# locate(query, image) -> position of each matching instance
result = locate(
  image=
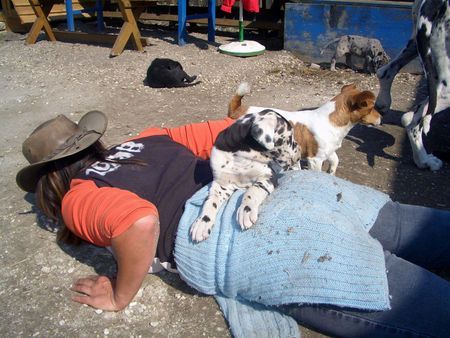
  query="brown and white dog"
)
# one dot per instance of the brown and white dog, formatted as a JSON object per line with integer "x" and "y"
{"x": 248, "y": 154}
{"x": 319, "y": 132}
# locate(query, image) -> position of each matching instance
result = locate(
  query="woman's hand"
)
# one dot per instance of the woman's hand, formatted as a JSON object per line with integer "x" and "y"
{"x": 134, "y": 251}
{"x": 95, "y": 291}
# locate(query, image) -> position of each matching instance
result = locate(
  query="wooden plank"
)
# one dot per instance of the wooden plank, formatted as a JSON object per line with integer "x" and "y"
{"x": 13, "y": 24}
{"x": 56, "y": 10}
{"x": 28, "y": 10}
{"x": 219, "y": 21}
{"x": 60, "y": 2}
{"x": 29, "y": 19}
{"x": 26, "y": 14}
{"x": 93, "y": 38}
{"x": 97, "y": 38}
{"x": 19, "y": 14}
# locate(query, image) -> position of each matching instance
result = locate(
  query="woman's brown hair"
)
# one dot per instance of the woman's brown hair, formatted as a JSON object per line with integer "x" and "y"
{"x": 55, "y": 183}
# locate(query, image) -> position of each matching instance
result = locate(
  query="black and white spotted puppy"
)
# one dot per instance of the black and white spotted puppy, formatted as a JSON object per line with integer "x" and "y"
{"x": 247, "y": 155}
{"x": 429, "y": 41}
{"x": 355, "y": 45}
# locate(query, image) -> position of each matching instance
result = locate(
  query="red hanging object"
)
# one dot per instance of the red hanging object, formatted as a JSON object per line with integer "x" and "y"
{"x": 249, "y": 5}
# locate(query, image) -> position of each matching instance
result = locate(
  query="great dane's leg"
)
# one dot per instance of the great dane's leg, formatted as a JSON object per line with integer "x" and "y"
{"x": 387, "y": 73}
{"x": 247, "y": 213}
{"x": 440, "y": 70}
{"x": 432, "y": 30}
{"x": 414, "y": 128}
{"x": 202, "y": 226}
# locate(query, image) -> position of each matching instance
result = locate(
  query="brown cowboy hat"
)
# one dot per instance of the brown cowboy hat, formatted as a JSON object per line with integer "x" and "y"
{"x": 55, "y": 139}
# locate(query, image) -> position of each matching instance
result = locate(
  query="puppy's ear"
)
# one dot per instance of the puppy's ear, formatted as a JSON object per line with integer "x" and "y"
{"x": 232, "y": 138}
{"x": 263, "y": 129}
{"x": 364, "y": 100}
{"x": 348, "y": 87}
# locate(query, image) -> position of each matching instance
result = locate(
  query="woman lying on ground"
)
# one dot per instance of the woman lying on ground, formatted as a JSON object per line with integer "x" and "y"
{"x": 338, "y": 257}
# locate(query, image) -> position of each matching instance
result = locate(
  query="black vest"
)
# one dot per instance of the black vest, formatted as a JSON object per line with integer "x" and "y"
{"x": 168, "y": 176}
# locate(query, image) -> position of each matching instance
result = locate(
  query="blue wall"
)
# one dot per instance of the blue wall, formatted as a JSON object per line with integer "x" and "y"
{"x": 310, "y": 25}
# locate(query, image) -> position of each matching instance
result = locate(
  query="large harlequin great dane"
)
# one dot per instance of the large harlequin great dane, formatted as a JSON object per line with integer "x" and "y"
{"x": 429, "y": 40}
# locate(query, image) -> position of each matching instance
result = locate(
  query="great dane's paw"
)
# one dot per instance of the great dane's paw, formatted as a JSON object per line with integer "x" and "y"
{"x": 429, "y": 161}
{"x": 247, "y": 216}
{"x": 201, "y": 228}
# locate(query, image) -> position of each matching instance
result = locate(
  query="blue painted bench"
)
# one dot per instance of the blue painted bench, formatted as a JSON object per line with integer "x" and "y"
{"x": 183, "y": 18}
{"x": 95, "y": 10}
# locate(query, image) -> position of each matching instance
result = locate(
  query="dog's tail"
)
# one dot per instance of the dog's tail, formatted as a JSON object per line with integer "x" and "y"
{"x": 328, "y": 44}
{"x": 235, "y": 108}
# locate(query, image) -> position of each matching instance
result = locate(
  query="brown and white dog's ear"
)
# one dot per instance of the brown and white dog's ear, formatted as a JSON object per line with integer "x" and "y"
{"x": 363, "y": 100}
{"x": 348, "y": 88}
{"x": 363, "y": 108}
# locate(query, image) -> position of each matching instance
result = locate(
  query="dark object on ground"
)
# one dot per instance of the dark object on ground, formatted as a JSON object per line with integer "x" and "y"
{"x": 167, "y": 73}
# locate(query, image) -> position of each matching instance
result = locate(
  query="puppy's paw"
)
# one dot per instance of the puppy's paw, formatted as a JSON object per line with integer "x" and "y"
{"x": 296, "y": 166}
{"x": 247, "y": 215}
{"x": 331, "y": 171}
{"x": 201, "y": 228}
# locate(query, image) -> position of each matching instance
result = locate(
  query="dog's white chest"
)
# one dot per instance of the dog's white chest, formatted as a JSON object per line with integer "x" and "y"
{"x": 327, "y": 136}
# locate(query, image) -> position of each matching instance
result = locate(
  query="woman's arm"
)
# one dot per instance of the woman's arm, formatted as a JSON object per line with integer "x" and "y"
{"x": 135, "y": 249}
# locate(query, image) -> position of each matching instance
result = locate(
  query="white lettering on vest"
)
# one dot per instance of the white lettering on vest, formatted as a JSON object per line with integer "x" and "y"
{"x": 102, "y": 168}
{"x": 126, "y": 151}
{"x": 121, "y": 155}
{"x": 131, "y": 146}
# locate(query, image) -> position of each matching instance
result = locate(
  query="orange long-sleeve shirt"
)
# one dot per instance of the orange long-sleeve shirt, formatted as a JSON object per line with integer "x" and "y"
{"x": 98, "y": 214}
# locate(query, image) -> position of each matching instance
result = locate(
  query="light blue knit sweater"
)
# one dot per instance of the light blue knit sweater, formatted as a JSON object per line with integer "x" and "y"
{"x": 310, "y": 245}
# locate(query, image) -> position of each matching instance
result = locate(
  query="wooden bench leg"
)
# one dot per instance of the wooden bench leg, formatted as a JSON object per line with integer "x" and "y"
{"x": 41, "y": 11}
{"x": 129, "y": 28}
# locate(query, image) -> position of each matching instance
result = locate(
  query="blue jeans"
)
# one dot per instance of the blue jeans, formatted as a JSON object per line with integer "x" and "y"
{"x": 415, "y": 239}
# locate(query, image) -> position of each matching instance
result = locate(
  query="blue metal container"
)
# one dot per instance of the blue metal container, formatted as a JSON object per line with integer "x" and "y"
{"x": 311, "y": 24}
